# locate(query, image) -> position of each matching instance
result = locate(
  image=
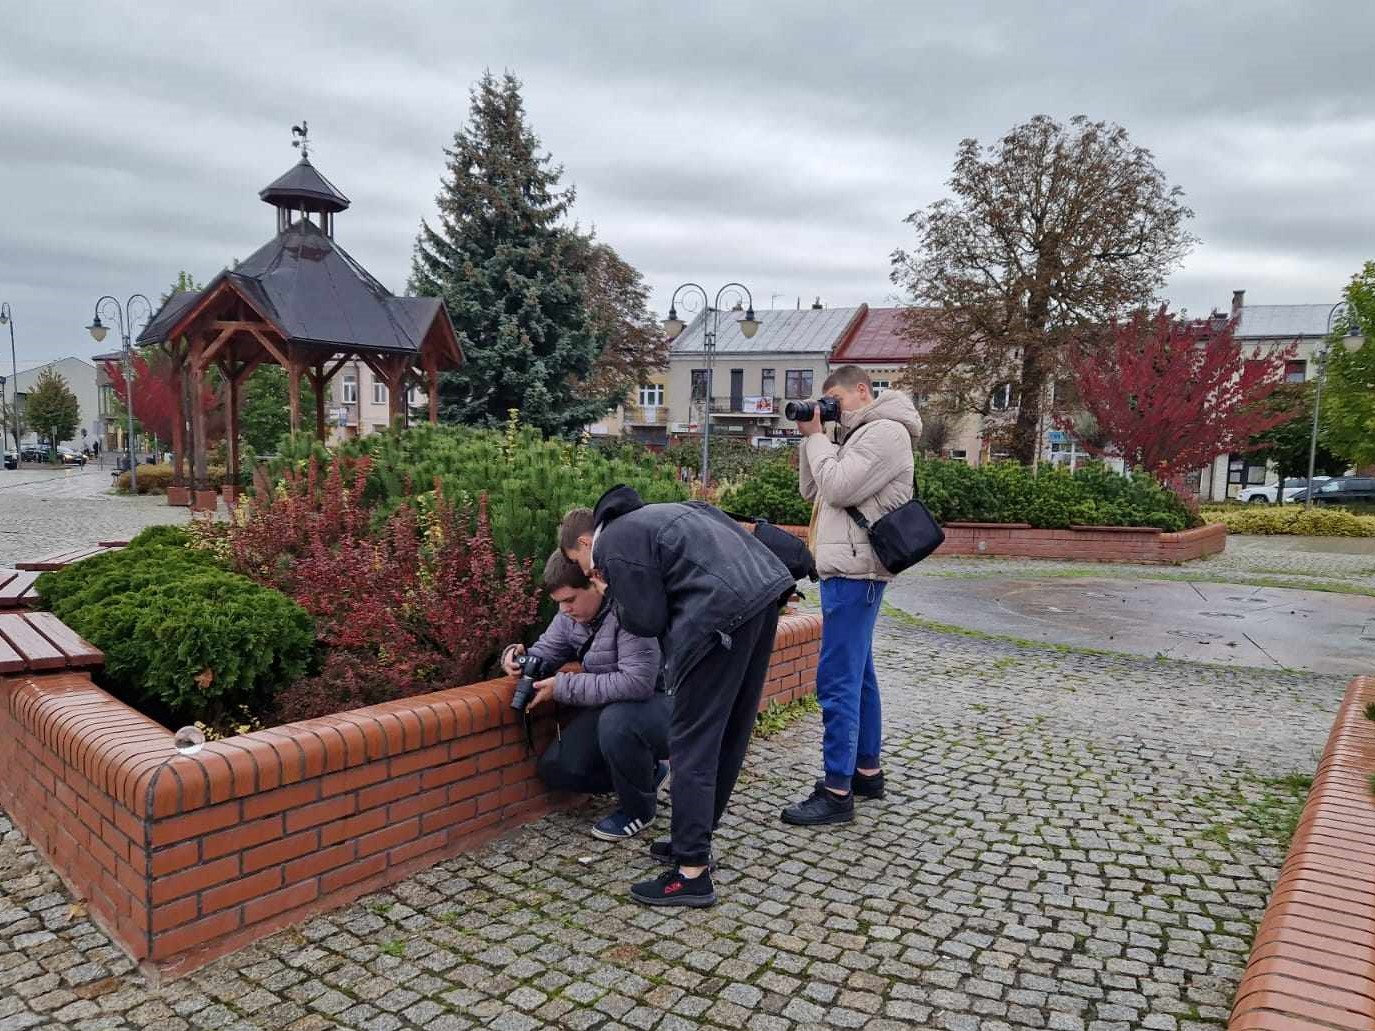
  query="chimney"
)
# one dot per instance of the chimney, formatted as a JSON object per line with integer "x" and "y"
{"x": 816, "y": 305}
{"x": 1238, "y": 301}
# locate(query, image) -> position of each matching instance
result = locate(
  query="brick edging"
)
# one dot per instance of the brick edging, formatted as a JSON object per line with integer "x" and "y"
{"x": 1312, "y": 965}
{"x": 1077, "y": 543}
{"x": 184, "y": 858}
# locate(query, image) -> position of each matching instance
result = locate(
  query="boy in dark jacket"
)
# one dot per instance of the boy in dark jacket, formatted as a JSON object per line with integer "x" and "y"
{"x": 690, "y": 576}
{"x": 619, "y": 741}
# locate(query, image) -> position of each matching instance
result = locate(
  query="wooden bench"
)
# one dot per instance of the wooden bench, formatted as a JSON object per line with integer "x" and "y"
{"x": 16, "y": 588}
{"x": 36, "y": 641}
{"x": 58, "y": 559}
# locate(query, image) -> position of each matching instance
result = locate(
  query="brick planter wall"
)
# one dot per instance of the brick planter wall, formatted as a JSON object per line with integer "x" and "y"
{"x": 1312, "y": 964}
{"x": 1078, "y": 543}
{"x": 184, "y": 858}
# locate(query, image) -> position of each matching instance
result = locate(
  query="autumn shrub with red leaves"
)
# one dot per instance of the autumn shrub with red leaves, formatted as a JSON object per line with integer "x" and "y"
{"x": 417, "y": 603}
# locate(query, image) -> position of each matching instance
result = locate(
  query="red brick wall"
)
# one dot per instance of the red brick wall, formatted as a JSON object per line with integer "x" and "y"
{"x": 1078, "y": 544}
{"x": 185, "y": 858}
{"x": 1312, "y": 962}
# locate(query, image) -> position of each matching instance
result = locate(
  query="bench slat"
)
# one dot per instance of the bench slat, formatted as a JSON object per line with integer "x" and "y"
{"x": 79, "y": 652}
{"x": 16, "y": 587}
{"x": 59, "y": 559}
{"x": 37, "y": 651}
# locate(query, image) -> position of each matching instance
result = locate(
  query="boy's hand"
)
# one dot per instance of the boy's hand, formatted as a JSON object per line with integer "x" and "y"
{"x": 508, "y": 659}
{"x": 598, "y": 584}
{"x": 544, "y": 691}
{"x": 812, "y": 425}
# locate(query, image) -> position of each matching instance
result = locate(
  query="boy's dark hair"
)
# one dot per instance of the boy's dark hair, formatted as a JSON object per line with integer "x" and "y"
{"x": 849, "y": 377}
{"x": 575, "y": 524}
{"x": 561, "y": 571}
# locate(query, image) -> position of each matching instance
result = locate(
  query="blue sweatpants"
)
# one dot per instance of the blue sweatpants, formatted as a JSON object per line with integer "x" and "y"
{"x": 846, "y": 684}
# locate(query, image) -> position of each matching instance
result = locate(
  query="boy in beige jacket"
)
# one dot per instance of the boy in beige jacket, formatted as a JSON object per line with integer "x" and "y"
{"x": 870, "y": 470}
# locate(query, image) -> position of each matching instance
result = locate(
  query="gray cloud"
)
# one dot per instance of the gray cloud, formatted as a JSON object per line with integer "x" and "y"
{"x": 773, "y": 142}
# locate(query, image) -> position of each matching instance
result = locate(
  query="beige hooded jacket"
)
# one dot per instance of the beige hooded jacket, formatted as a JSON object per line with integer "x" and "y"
{"x": 871, "y": 470}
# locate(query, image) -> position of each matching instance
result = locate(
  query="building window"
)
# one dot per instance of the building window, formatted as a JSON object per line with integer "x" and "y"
{"x": 417, "y": 397}
{"x": 699, "y": 384}
{"x": 1002, "y": 398}
{"x": 797, "y": 384}
{"x": 1295, "y": 371}
{"x": 1065, "y": 392}
{"x": 879, "y": 385}
{"x": 379, "y": 392}
{"x": 349, "y": 393}
{"x": 651, "y": 395}
{"x": 379, "y": 429}
{"x": 767, "y": 385}
{"x": 959, "y": 453}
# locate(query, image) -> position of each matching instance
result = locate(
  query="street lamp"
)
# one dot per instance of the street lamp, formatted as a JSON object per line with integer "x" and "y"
{"x": 1320, "y": 357}
{"x": 7, "y": 319}
{"x": 124, "y": 318}
{"x": 711, "y": 322}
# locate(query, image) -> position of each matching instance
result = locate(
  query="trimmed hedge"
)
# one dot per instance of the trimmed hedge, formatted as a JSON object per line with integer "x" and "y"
{"x": 1050, "y": 498}
{"x": 1293, "y": 519}
{"x": 155, "y": 479}
{"x": 183, "y": 638}
{"x": 1000, "y": 492}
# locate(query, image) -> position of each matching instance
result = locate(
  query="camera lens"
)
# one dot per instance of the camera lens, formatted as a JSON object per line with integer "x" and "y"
{"x": 798, "y": 411}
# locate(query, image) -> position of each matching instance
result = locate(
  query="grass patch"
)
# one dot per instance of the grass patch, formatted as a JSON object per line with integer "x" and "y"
{"x": 396, "y": 948}
{"x": 1276, "y": 813}
{"x": 776, "y": 718}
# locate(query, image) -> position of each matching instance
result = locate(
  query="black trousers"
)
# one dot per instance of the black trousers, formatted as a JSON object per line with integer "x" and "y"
{"x": 714, "y": 713}
{"x": 614, "y": 747}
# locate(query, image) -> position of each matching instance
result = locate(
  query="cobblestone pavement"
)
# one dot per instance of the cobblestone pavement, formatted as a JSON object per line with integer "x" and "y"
{"x": 1271, "y": 561}
{"x": 44, "y": 511}
{"x": 1069, "y": 841}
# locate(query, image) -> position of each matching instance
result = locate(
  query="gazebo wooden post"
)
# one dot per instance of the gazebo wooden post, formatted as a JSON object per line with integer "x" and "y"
{"x": 317, "y": 380}
{"x": 396, "y": 392}
{"x": 198, "y": 473}
{"x": 432, "y": 389}
{"x": 231, "y": 424}
{"x": 293, "y": 386}
{"x": 178, "y": 359}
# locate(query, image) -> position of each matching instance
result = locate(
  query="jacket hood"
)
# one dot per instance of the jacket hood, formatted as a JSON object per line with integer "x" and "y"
{"x": 891, "y": 404}
{"x": 616, "y": 502}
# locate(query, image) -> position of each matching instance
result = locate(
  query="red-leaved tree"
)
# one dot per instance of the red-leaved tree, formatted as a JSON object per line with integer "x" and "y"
{"x": 156, "y": 404}
{"x": 1169, "y": 396}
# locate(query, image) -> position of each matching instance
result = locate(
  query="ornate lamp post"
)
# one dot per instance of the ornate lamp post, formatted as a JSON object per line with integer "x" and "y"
{"x": 7, "y": 319}
{"x": 711, "y": 322}
{"x": 124, "y": 318}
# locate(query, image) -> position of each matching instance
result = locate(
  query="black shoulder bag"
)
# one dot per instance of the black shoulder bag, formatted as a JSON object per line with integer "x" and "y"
{"x": 903, "y": 537}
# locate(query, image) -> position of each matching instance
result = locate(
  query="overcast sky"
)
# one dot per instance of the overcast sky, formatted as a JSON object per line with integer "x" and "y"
{"x": 780, "y": 144}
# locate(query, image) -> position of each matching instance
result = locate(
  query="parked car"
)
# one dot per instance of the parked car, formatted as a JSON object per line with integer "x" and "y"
{"x": 1265, "y": 494}
{"x": 1343, "y": 490}
{"x": 11, "y": 458}
{"x": 69, "y": 457}
{"x": 33, "y": 453}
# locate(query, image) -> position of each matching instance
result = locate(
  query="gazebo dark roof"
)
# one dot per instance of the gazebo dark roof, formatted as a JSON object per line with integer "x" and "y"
{"x": 313, "y": 292}
{"x": 303, "y": 188}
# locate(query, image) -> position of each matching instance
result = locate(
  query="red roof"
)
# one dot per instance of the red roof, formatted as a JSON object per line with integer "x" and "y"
{"x": 879, "y": 335}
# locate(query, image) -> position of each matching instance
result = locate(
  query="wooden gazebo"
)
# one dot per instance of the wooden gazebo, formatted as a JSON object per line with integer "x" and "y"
{"x": 301, "y": 302}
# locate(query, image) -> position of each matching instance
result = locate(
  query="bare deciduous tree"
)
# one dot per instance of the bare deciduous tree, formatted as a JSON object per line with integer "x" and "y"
{"x": 1052, "y": 228}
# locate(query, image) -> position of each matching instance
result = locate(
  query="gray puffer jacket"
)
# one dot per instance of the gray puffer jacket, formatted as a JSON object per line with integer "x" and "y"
{"x": 618, "y": 666}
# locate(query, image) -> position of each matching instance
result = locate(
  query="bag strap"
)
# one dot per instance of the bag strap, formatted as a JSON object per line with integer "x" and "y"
{"x": 858, "y": 517}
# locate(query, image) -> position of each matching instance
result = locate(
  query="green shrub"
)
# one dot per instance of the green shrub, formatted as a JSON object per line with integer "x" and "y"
{"x": 1050, "y": 498}
{"x": 771, "y": 493}
{"x": 1293, "y": 519}
{"x": 530, "y": 482}
{"x": 183, "y": 638}
{"x": 731, "y": 460}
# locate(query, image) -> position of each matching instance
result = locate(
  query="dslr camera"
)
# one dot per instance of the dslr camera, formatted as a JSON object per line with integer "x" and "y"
{"x": 802, "y": 411}
{"x": 532, "y": 669}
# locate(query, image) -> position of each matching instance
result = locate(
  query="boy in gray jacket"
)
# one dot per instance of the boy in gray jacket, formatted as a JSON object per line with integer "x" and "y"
{"x": 619, "y": 741}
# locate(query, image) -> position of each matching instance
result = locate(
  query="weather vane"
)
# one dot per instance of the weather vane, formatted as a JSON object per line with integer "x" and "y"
{"x": 303, "y": 143}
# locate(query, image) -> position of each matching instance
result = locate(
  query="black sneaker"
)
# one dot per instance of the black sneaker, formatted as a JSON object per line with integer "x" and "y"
{"x": 822, "y": 807}
{"x": 661, "y": 851}
{"x": 671, "y": 888}
{"x": 863, "y": 786}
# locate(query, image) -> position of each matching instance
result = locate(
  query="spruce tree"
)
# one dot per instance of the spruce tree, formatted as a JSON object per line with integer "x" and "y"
{"x": 509, "y": 271}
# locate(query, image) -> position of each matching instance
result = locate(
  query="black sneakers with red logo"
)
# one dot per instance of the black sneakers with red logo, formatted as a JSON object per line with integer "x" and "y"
{"x": 671, "y": 888}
